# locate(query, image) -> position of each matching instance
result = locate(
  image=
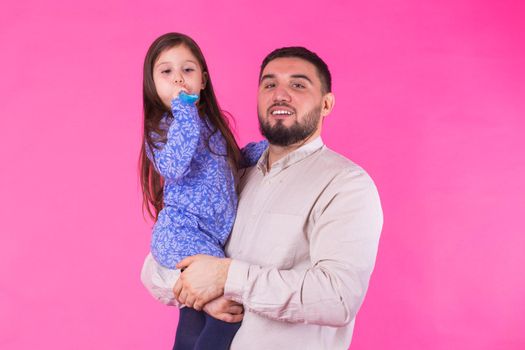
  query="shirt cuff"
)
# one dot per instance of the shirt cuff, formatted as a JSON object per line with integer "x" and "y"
{"x": 237, "y": 277}
{"x": 178, "y": 105}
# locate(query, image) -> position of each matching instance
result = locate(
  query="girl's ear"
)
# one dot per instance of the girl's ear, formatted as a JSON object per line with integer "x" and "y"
{"x": 204, "y": 80}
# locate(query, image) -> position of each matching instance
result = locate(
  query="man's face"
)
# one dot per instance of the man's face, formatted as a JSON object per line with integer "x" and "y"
{"x": 290, "y": 101}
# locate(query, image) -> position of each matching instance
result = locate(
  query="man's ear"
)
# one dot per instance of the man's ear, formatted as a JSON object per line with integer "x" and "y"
{"x": 204, "y": 80}
{"x": 327, "y": 104}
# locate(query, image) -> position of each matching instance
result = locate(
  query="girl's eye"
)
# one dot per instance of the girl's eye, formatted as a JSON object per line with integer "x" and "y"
{"x": 189, "y": 69}
{"x": 166, "y": 71}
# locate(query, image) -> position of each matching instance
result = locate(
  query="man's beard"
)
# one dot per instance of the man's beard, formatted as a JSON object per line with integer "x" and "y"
{"x": 281, "y": 135}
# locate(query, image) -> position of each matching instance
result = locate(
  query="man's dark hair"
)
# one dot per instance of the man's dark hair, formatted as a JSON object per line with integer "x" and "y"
{"x": 307, "y": 55}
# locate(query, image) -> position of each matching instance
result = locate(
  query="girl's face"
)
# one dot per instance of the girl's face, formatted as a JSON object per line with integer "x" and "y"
{"x": 176, "y": 67}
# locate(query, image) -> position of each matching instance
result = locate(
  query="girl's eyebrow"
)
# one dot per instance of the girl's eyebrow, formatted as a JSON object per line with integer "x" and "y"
{"x": 167, "y": 62}
{"x": 159, "y": 64}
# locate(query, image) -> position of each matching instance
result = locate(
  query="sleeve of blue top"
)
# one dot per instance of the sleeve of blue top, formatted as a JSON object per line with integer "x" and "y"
{"x": 173, "y": 160}
{"x": 252, "y": 152}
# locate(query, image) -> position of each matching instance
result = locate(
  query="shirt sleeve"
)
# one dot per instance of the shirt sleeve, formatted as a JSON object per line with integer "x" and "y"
{"x": 252, "y": 152}
{"x": 343, "y": 247}
{"x": 172, "y": 160}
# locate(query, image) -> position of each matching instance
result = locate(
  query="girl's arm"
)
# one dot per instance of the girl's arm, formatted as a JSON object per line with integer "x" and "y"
{"x": 173, "y": 159}
{"x": 252, "y": 152}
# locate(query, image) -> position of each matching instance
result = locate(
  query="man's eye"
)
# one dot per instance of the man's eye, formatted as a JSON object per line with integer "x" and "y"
{"x": 298, "y": 85}
{"x": 269, "y": 86}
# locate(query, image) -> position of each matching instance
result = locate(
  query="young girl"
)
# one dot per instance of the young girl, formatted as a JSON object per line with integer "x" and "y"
{"x": 187, "y": 162}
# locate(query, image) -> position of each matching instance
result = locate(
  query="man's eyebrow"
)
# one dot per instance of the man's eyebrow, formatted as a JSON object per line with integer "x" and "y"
{"x": 302, "y": 76}
{"x": 267, "y": 76}
{"x": 295, "y": 76}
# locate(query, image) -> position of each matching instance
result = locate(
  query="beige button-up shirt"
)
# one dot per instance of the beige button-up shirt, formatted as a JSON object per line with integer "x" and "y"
{"x": 303, "y": 248}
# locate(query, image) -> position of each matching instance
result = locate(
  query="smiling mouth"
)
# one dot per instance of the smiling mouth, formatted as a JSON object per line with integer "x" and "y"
{"x": 281, "y": 112}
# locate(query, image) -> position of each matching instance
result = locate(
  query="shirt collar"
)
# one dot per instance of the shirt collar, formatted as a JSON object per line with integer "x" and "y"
{"x": 291, "y": 158}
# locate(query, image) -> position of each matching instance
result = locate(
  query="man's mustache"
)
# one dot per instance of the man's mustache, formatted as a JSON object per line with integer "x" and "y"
{"x": 281, "y": 104}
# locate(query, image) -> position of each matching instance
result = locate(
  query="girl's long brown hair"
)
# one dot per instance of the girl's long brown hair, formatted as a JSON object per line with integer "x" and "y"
{"x": 151, "y": 182}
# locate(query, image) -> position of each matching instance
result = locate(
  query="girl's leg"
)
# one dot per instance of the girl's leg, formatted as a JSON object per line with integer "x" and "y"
{"x": 217, "y": 334}
{"x": 191, "y": 324}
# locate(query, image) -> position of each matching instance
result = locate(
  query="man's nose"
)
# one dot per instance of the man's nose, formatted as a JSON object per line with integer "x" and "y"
{"x": 280, "y": 94}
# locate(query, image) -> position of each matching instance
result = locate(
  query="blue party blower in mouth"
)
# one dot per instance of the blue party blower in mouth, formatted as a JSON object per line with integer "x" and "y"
{"x": 188, "y": 98}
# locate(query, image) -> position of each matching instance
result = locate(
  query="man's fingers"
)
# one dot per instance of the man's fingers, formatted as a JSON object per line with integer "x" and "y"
{"x": 237, "y": 318}
{"x": 177, "y": 288}
{"x": 235, "y": 310}
{"x": 190, "y": 301}
{"x": 182, "y": 297}
{"x": 230, "y": 318}
{"x": 203, "y": 299}
{"x": 198, "y": 305}
{"x": 185, "y": 262}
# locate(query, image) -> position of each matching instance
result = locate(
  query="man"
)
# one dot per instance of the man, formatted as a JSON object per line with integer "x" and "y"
{"x": 307, "y": 229}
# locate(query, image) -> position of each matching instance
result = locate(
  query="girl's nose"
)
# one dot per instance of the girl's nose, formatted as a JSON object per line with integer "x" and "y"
{"x": 178, "y": 79}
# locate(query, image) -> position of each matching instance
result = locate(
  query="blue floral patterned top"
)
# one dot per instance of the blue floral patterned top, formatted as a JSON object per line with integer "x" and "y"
{"x": 200, "y": 200}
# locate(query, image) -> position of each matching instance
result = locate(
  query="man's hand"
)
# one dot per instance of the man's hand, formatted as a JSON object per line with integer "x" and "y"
{"x": 203, "y": 280}
{"x": 225, "y": 310}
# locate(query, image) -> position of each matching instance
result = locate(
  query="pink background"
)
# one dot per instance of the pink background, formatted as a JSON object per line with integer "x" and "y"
{"x": 430, "y": 100}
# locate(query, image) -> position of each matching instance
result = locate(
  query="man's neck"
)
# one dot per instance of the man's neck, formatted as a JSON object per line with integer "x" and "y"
{"x": 276, "y": 153}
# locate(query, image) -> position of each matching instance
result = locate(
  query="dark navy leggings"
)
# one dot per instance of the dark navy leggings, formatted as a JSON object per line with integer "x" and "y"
{"x": 199, "y": 331}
